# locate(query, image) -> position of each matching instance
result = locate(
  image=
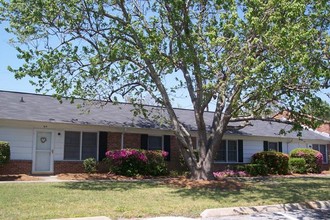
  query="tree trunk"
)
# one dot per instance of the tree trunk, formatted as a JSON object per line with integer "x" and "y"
{"x": 204, "y": 172}
{"x": 200, "y": 168}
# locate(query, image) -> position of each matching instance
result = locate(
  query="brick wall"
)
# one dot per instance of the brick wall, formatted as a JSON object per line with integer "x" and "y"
{"x": 132, "y": 140}
{"x": 174, "y": 163}
{"x": 68, "y": 167}
{"x": 16, "y": 167}
{"x": 25, "y": 167}
{"x": 114, "y": 141}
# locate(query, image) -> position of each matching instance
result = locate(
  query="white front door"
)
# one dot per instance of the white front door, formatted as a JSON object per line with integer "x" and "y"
{"x": 43, "y": 160}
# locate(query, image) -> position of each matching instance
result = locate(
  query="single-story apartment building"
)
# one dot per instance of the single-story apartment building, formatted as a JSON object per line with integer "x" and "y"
{"x": 49, "y": 137}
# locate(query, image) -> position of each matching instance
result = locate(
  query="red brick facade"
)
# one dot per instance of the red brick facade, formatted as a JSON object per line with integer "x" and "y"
{"x": 68, "y": 167}
{"x": 114, "y": 141}
{"x": 16, "y": 167}
{"x": 132, "y": 140}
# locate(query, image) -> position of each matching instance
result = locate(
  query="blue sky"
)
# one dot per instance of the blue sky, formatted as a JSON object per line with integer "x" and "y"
{"x": 9, "y": 83}
{"x": 8, "y": 58}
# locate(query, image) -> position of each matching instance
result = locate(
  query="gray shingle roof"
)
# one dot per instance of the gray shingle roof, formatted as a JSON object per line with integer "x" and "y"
{"x": 48, "y": 109}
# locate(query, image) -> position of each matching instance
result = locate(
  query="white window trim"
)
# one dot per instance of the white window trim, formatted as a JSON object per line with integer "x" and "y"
{"x": 80, "y": 147}
{"x": 229, "y": 162}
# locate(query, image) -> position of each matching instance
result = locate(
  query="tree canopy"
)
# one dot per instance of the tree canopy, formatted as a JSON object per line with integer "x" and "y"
{"x": 248, "y": 57}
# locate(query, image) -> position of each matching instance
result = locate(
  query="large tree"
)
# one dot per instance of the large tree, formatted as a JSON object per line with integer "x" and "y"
{"x": 248, "y": 57}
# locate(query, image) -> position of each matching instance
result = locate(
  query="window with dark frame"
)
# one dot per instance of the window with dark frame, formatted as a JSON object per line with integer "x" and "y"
{"x": 76, "y": 142}
{"x": 72, "y": 145}
{"x": 273, "y": 146}
{"x": 152, "y": 142}
{"x": 155, "y": 142}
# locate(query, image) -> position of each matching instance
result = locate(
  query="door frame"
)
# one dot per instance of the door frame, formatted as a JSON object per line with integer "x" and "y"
{"x": 35, "y": 132}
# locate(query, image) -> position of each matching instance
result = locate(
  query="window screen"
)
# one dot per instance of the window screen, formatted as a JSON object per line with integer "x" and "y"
{"x": 72, "y": 145}
{"x": 232, "y": 151}
{"x": 155, "y": 142}
{"x": 89, "y": 145}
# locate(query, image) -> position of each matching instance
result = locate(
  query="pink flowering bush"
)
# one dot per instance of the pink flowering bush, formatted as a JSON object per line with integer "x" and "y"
{"x": 229, "y": 173}
{"x": 312, "y": 157}
{"x": 132, "y": 162}
{"x": 127, "y": 162}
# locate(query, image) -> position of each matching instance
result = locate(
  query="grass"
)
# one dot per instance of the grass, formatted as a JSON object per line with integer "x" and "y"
{"x": 142, "y": 199}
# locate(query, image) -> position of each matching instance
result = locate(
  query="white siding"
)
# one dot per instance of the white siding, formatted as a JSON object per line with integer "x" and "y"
{"x": 20, "y": 140}
{"x": 58, "y": 145}
{"x": 251, "y": 147}
{"x": 289, "y": 146}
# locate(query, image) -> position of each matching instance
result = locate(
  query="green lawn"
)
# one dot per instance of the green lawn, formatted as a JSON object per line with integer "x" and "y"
{"x": 141, "y": 199}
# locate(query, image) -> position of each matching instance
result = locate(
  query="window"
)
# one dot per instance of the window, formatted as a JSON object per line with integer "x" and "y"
{"x": 230, "y": 151}
{"x": 322, "y": 148}
{"x": 273, "y": 146}
{"x": 149, "y": 142}
{"x": 72, "y": 145}
{"x": 155, "y": 143}
{"x": 80, "y": 145}
{"x": 89, "y": 145}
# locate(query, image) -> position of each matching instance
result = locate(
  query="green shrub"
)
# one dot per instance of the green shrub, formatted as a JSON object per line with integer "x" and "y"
{"x": 297, "y": 165}
{"x": 312, "y": 157}
{"x": 256, "y": 169}
{"x": 90, "y": 165}
{"x": 276, "y": 162}
{"x": 156, "y": 165}
{"x": 239, "y": 167}
{"x": 4, "y": 152}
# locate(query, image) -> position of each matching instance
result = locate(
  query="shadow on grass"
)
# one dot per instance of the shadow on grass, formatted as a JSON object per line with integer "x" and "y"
{"x": 296, "y": 189}
{"x": 106, "y": 185}
{"x": 286, "y": 190}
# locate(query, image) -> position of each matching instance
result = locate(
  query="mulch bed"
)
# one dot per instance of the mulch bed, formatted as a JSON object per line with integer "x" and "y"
{"x": 18, "y": 177}
{"x": 232, "y": 184}
{"x": 181, "y": 181}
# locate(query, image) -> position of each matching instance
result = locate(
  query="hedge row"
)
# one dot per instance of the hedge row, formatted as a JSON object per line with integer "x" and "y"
{"x": 300, "y": 160}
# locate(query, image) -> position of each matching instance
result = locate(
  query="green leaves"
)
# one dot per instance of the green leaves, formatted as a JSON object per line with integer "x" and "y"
{"x": 250, "y": 57}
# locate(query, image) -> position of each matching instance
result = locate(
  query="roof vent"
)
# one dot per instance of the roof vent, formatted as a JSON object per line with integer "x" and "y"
{"x": 22, "y": 100}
